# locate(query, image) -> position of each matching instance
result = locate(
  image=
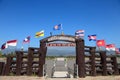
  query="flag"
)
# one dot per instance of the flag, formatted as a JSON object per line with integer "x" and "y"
{"x": 79, "y": 33}
{"x": 110, "y": 47}
{"x": 4, "y": 46}
{"x": 12, "y": 42}
{"x": 100, "y": 43}
{"x": 117, "y": 50}
{"x": 92, "y": 37}
{"x": 26, "y": 40}
{"x": 57, "y": 27}
{"x": 38, "y": 34}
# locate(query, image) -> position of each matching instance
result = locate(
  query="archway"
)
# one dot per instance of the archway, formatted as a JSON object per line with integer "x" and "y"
{"x": 80, "y": 60}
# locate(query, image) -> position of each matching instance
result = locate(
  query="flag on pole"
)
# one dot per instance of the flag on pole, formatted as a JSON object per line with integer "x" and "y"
{"x": 57, "y": 27}
{"x": 110, "y": 47}
{"x": 39, "y": 34}
{"x": 100, "y": 43}
{"x": 26, "y": 40}
{"x": 79, "y": 33}
{"x": 4, "y": 46}
{"x": 92, "y": 37}
{"x": 117, "y": 50}
{"x": 12, "y": 43}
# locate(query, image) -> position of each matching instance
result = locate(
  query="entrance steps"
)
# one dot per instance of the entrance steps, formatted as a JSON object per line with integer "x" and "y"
{"x": 60, "y": 74}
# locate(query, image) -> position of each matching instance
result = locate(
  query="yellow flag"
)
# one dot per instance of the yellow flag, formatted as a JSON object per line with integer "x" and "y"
{"x": 39, "y": 34}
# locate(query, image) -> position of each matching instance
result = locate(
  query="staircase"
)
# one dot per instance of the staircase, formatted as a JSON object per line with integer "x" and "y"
{"x": 60, "y": 68}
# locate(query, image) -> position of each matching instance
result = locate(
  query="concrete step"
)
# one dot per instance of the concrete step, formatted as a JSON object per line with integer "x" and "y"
{"x": 60, "y": 74}
{"x": 60, "y": 69}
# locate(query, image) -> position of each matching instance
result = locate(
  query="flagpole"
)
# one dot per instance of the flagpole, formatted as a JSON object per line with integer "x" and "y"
{"x": 16, "y": 46}
{"x": 99, "y": 48}
{"x": 29, "y": 44}
{"x": 22, "y": 47}
{"x": 62, "y": 30}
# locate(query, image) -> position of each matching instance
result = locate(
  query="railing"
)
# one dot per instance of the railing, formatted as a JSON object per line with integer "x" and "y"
{"x": 44, "y": 70}
{"x": 75, "y": 71}
{"x": 70, "y": 71}
{"x": 52, "y": 72}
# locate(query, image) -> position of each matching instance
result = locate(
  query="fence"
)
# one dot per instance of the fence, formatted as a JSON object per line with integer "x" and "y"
{"x": 22, "y": 63}
{"x": 96, "y": 63}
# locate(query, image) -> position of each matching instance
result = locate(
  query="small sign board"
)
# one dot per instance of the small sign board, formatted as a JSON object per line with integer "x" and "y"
{"x": 62, "y": 38}
{"x": 61, "y": 44}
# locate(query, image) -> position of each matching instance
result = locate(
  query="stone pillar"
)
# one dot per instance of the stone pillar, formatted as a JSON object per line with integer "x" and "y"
{"x": 80, "y": 57}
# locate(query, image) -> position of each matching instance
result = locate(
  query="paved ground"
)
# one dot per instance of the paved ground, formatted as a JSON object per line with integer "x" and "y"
{"x": 38, "y": 78}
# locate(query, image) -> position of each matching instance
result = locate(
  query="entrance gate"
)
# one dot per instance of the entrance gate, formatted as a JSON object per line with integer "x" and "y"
{"x": 80, "y": 60}
{"x": 93, "y": 63}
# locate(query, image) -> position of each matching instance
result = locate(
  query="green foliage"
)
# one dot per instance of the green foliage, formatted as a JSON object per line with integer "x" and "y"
{"x": 1, "y": 55}
{"x": 50, "y": 57}
{"x": 11, "y": 74}
{"x": 11, "y": 54}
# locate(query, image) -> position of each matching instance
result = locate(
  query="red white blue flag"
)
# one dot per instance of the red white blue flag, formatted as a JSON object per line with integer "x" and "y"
{"x": 79, "y": 33}
{"x": 4, "y": 46}
{"x": 26, "y": 40}
{"x": 117, "y": 50}
{"x": 92, "y": 37}
{"x": 57, "y": 27}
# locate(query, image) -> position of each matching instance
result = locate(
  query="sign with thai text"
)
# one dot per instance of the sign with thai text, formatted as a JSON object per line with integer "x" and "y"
{"x": 61, "y": 44}
{"x": 64, "y": 38}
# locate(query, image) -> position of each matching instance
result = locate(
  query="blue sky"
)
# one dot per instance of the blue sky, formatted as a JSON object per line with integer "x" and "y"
{"x": 21, "y": 18}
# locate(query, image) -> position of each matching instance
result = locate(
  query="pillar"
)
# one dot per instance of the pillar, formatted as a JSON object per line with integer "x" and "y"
{"x": 42, "y": 55}
{"x": 114, "y": 63}
{"x": 80, "y": 57}
{"x": 92, "y": 58}
{"x": 1, "y": 67}
{"x": 19, "y": 55}
{"x": 103, "y": 62}
{"x": 30, "y": 61}
{"x": 8, "y": 65}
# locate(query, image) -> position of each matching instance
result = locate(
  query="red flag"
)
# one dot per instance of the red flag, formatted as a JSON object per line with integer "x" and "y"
{"x": 110, "y": 47}
{"x": 100, "y": 43}
{"x": 12, "y": 43}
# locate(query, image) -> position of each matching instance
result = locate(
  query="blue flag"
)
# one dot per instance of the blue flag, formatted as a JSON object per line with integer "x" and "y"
{"x": 57, "y": 27}
{"x": 92, "y": 37}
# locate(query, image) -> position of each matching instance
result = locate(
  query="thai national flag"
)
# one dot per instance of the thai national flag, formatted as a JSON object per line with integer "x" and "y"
{"x": 92, "y": 37}
{"x": 79, "y": 33}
